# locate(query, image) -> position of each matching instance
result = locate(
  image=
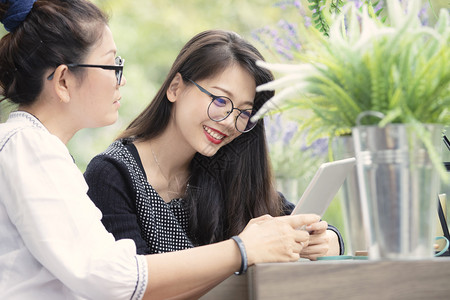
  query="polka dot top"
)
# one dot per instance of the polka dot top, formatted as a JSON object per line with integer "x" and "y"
{"x": 130, "y": 205}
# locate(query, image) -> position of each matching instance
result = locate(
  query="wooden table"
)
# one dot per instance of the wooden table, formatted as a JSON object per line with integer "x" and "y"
{"x": 344, "y": 279}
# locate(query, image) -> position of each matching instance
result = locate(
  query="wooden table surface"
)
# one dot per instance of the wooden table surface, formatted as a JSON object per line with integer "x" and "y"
{"x": 344, "y": 279}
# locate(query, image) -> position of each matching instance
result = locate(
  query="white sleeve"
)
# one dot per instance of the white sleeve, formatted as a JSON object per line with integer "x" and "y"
{"x": 61, "y": 226}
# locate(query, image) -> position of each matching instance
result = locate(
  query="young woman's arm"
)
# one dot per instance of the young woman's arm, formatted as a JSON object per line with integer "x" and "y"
{"x": 329, "y": 242}
{"x": 322, "y": 242}
{"x": 110, "y": 188}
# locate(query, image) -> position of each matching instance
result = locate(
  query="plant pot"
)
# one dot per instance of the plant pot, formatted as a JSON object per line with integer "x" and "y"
{"x": 398, "y": 189}
{"x": 355, "y": 237}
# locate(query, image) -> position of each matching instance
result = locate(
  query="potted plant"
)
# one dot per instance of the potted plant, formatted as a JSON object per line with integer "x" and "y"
{"x": 380, "y": 81}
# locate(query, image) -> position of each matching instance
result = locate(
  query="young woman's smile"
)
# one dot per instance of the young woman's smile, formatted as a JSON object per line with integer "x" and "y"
{"x": 213, "y": 135}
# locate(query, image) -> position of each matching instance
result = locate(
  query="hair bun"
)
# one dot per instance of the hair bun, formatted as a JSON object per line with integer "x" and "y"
{"x": 17, "y": 12}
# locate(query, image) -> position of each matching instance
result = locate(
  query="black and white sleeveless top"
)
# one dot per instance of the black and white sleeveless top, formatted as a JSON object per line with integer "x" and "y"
{"x": 162, "y": 225}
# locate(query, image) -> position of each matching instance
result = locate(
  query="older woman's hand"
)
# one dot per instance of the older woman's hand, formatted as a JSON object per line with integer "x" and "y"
{"x": 269, "y": 239}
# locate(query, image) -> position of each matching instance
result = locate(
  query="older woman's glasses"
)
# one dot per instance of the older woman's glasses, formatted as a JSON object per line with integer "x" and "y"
{"x": 221, "y": 107}
{"x": 118, "y": 67}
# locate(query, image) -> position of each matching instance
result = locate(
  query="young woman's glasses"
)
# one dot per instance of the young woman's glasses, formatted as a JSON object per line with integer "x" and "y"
{"x": 221, "y": 107}
{"x": 118, "y": 67}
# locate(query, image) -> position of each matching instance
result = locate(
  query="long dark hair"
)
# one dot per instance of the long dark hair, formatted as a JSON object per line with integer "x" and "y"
{"x": 236, "y": 184}
{"x": 55, "y": 32}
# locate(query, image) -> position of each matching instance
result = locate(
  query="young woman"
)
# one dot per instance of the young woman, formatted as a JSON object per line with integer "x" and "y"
{"x": 59, "y": 65}
{"x": 192, "y": 169}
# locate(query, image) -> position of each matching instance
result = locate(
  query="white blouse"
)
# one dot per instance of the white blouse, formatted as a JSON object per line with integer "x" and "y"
{"x": 52, "y": 242}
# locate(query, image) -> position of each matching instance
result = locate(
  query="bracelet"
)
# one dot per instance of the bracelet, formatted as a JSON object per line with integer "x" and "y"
{"x": 244, "y": 261}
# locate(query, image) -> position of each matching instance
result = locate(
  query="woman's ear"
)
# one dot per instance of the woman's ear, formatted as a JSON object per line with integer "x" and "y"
{"x": 175, "y": 87}
{"x": 60, "y": 84}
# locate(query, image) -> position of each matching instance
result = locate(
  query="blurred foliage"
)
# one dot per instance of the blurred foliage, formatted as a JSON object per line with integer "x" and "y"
{"x": 149, "y": 35}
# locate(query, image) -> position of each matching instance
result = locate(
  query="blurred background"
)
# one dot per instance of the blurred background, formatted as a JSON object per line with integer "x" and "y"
{"x": 149, "y": 35}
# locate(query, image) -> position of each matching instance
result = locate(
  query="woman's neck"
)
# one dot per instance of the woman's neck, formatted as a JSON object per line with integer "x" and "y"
{"x": 56, "y": 122}
{"x": 166, "y": 164}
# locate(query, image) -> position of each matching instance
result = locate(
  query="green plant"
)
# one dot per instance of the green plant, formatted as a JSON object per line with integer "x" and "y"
{"x": 400, "y": 68}
{"x": 321, "y": 19}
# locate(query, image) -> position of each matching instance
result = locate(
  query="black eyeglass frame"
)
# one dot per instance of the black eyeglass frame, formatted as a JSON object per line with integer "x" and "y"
{"x": 117, "y": 68}
{"x": 214, "y": 97}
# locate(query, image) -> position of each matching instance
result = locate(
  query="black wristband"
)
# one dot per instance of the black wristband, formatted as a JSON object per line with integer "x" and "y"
{"x": 244, "y": 261}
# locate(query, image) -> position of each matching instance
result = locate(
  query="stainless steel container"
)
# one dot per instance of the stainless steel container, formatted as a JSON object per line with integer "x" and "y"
{"x": 398, "y": 188}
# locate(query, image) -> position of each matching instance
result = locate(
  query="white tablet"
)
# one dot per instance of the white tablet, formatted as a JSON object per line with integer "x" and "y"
{"x": 324, "y": 186}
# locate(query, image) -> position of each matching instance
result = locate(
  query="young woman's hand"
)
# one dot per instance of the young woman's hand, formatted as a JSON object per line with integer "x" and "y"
{"x": 322, "y": 242}
{"x": 279, "y": 239}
